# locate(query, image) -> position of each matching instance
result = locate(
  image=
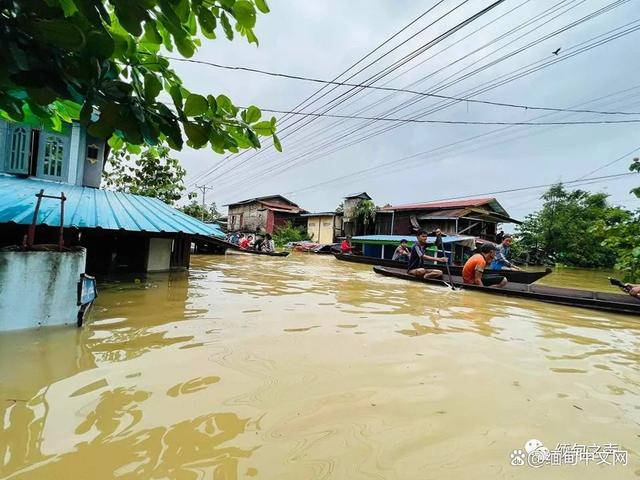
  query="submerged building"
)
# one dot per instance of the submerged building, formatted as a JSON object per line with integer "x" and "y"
{"x": 262, "y": 214}
{"x": 478, "y": 217}
{"x": 121, "y": 232}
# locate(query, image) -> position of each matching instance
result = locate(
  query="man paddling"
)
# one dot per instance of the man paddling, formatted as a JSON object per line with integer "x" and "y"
{"x": 473, "y": 271}
{"x": 417, "y": 258}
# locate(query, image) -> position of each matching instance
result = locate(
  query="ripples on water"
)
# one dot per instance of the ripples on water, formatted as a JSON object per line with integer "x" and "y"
{"x": 309, "y": 368}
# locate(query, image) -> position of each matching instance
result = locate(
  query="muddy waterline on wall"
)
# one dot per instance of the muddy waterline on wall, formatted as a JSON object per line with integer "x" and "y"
{"x": 309, "y": 368}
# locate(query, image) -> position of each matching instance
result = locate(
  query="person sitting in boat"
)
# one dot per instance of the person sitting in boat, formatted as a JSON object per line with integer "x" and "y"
{"x": 257, "y": 244}
{"x": 402, "y": 253}
{"x": 417, "y": 257}
{"x": 473, "y": 270}
{"x": 503, "y": 252}
{"x": 268, "y": 245}
{"x": 345, "y": 246}
{"x": 244, "y": 242}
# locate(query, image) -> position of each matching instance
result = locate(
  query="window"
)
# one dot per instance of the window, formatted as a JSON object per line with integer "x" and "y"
{"x": 93, "y": 152}
{"x": 53, "y": 157}
{"x": 19, "y": 150}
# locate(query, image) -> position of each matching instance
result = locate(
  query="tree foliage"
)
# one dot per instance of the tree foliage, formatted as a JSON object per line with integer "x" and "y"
{"x": 153, "y": 173}
{"x": 207, "y": 213}
{"x": 572, "y": 228}
{"x": 99, "y": 62}
{"x": 365, "y": 212}
{"x": 289, "y": 233}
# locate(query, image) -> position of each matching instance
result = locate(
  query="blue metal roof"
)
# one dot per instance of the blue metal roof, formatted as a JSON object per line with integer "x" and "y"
{"x": 410, "y": 238}
{"x": 93, "y": 208}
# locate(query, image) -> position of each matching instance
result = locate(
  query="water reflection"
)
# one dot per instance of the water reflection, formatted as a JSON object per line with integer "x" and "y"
{"x": 307, "y": 367}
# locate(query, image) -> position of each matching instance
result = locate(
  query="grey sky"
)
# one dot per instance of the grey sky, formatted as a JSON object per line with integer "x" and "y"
{"x": 322, "y": 38}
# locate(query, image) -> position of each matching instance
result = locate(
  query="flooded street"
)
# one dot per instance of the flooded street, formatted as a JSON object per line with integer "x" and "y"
{"x": 309, "y": 368}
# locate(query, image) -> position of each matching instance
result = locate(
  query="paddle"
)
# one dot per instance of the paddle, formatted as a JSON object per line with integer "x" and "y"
{"x": 440, "y": 245}
{"x": 623, "y": 286}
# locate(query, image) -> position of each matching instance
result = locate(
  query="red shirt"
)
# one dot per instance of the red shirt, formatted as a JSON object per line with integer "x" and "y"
{"x": 345, "y": 247}
{"x": 244, "y": 243}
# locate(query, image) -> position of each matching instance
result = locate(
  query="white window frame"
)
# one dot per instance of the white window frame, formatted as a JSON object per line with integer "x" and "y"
{"x": 11, "y": 130}
{"x": 64, "y": 140}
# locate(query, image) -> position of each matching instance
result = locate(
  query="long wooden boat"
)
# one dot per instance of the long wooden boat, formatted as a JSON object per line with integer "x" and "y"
{"x": 240, "y": 251}
{"x": 609, "y": 302}
{"x": 512, "y": 275}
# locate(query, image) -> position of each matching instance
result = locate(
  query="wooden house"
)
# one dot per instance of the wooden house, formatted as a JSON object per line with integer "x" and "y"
{"x": 262, "y": 214}
{"x": 478, "y": 217}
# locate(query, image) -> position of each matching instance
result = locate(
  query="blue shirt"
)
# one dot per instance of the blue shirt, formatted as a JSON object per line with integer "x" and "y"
{"x": 502, "y": 253}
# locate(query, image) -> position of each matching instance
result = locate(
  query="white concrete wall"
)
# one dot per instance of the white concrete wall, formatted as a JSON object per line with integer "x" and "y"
{"x": 39, "y": 288}
{"x": 159, "y": 255}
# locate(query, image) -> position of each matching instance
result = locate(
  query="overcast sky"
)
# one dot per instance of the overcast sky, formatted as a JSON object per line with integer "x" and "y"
{"x": 321, "y": 39}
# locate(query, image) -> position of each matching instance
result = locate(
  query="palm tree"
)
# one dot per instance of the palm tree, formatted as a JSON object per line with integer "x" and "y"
{"x": 365, "y": 212}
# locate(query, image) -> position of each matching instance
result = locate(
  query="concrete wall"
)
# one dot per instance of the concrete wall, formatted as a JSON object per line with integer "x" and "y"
{"x": 320, "y": 228}
{"x": 39, "y": 288}
{"x": 159, "y": 259}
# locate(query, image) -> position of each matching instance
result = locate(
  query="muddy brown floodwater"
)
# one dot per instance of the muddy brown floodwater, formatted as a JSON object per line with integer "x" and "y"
{"x": 309, "y": 368}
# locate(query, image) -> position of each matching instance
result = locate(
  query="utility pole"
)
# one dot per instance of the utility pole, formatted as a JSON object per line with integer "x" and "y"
{"x": 203, "y": 189}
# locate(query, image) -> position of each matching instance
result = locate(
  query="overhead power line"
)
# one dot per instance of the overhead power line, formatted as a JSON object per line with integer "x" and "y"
{"x": 397, "y": 90}
{"x": 453, "y": 122}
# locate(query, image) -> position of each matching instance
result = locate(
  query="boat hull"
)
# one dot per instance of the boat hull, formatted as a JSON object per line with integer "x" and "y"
{"x": 609, "y": 302}
{"x": 511, "y": 275}
{"x": 255, "y": 252}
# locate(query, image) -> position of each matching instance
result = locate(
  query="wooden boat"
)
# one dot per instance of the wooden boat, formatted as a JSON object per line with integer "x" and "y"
{"x": 609, "y": 302}
{"x": 512, "y": 275}
{"x": 240, "y": 251}
{"x": 219, "y": 245}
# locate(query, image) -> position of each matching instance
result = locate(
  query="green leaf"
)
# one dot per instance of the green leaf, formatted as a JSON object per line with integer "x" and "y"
{"x": 197, "y": 134}
{"x": 253, "y": 114}
{"x": 100, "y": 44}
{"x": 59, "y": 33}
{"x": 224, "y": 104}
{"x": 226, "y": 26}
{"x": 245, "y": 13}
{"x": 264, "y": 128}
{"x": 176, "y": 95}
{"x": 152, "y": 86}
{"x": 207, "y": 22}
{"x": 115, "y": 142}
{"x": 195, "y": 105}
{"x": 262, "y": 6}
{"x": 276, "y": 143}
{"x": 212, "y": 103}
{"x": 151, "y": 33}
{"x": 185, "y": 46}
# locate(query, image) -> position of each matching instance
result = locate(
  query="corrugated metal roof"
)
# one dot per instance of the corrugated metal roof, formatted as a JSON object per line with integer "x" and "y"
{"x": 356, "y": 195}
{"x": 93, "y": 208}
{"x": 260, "y": 199}
{"x": 469, "y": 202}
{"x": 320, "y": 214}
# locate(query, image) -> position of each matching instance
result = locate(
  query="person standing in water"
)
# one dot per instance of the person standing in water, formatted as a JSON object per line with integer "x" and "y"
{"x": 417, "y": 257}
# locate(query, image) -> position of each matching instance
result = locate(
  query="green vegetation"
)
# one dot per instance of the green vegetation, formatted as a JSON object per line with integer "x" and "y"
{"x": 288, "y": 233}
{"x": 153, "y": 173}
{"x": 574, "y": 228}
{"x": 364, "y": 214}
{"x": 99, "y": 62}
{"x": 209, "y": 213}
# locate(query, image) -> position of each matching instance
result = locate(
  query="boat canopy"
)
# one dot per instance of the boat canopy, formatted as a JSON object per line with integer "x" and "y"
{"x": 464, "y": 240}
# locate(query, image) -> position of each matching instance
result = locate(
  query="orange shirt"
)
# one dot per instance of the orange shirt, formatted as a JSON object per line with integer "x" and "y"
{"x": 474, "y": 264}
